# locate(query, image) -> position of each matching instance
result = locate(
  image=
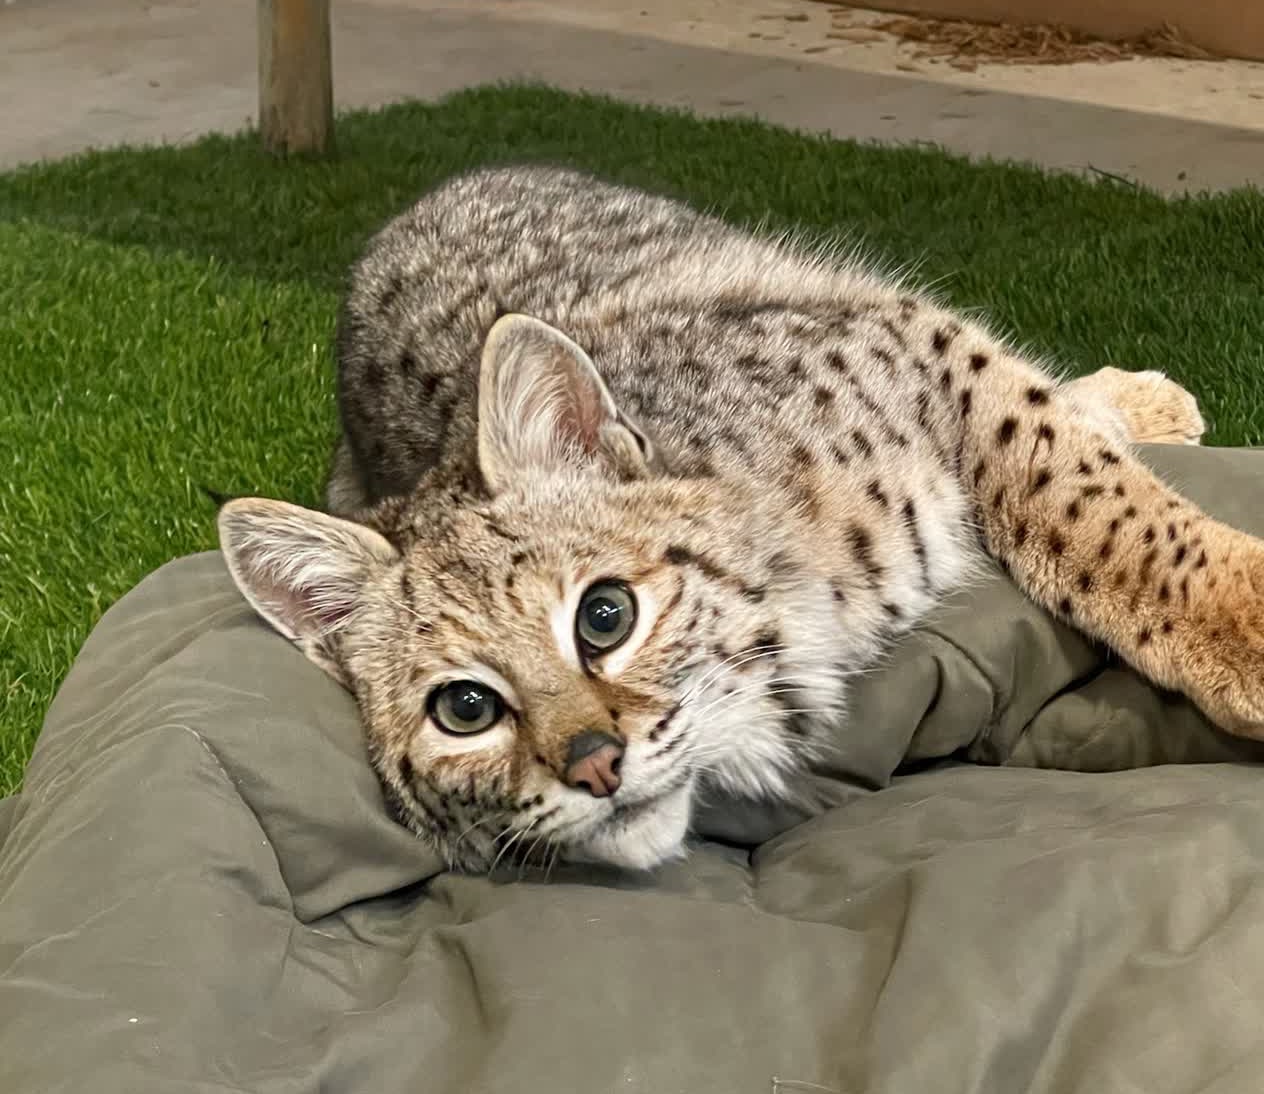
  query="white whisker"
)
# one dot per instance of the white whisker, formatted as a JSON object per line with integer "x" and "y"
{"x": 732, "y": 662}
{"x": 765, "y": 686}
{"x": 517, "y": 837}
{"x": 468, "y": 829}
{"x": 526, "y": 858}
{"x": 551, "y": 863}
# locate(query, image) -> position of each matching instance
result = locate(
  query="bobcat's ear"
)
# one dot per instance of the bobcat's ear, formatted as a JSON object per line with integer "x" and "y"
{"x": 543, "y": 405}
{"x": 301, "y": 570}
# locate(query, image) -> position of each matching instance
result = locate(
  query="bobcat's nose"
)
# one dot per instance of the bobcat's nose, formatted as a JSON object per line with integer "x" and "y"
{"x": 592, "y": 763}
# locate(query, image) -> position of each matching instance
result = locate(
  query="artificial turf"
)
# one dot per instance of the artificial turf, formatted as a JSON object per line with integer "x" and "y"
{"x": 165, "y": 314}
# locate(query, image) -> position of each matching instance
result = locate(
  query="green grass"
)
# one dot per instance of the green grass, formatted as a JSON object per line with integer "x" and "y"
{"x": 165, "y": 314}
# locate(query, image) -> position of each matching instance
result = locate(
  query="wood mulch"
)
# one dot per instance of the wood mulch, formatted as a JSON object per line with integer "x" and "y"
{"x": 965, "y": 45}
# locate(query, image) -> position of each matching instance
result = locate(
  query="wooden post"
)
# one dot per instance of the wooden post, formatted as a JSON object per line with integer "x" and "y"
{"x": 296, "y": 87}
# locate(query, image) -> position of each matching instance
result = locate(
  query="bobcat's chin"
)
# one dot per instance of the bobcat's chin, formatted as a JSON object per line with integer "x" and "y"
{"x": 640, "y": 836}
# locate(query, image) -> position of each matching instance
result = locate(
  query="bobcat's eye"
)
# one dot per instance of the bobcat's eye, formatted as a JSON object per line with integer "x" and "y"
{"x": 607, "y": 614}
{"x": 465, "y": 706}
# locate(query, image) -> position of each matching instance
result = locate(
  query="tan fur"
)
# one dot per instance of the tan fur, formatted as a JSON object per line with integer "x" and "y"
{"x": 1090, "y": 533}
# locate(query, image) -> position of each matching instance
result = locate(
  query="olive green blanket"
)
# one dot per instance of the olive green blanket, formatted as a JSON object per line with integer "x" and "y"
{"x": 201, "y": 891}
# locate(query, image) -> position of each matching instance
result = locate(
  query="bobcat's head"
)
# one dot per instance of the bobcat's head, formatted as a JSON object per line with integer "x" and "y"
{"x": 561, "y": 662}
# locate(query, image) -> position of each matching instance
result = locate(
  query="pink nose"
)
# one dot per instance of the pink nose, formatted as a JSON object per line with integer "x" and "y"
{"x": 592, "y": 763}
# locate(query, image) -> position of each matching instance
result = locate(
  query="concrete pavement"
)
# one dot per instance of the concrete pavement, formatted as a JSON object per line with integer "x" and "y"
{"x": 82, "y": 73}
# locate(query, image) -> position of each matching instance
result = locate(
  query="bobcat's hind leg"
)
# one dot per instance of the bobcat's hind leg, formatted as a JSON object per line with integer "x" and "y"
{"x": 345, "y": 493}
{"x": 1137, "y": 407}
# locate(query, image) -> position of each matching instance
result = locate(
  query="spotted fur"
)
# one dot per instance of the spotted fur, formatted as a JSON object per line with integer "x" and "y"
{"x": 547, "y": 381}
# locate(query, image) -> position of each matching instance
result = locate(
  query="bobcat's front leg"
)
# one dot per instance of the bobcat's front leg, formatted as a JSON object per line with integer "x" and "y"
{"x": 1090, "y": 533}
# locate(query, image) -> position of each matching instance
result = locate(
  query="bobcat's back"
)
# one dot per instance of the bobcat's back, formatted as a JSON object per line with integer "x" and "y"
{"x": 733, "y": 352}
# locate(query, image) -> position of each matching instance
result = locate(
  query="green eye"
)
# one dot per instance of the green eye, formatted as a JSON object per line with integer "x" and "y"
{"x": 607, "y": 614}
{"x": 465, "y": 706}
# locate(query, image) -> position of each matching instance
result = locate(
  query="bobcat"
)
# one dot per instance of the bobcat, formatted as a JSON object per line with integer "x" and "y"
{"x": 625, "y": 496}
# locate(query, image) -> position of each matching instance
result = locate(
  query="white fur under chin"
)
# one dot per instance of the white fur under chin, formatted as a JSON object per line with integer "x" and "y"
{"x": 644, "y": 841}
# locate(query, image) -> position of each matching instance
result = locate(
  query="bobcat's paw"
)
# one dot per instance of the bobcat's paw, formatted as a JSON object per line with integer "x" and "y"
{"x": 1153, "y": 409}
